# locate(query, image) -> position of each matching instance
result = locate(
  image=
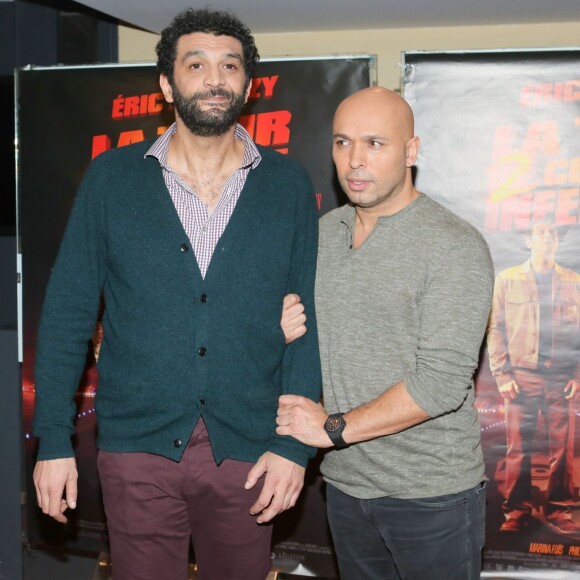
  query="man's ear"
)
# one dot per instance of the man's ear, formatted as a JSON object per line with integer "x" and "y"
{"x": 248, "y": 91}
{"x": 412, "y": 150}
{"x": 166, "y": 88}
{"x": 528, "y": 242}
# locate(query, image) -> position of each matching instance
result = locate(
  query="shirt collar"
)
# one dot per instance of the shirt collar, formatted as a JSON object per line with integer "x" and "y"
{"x": 160, "y": 148}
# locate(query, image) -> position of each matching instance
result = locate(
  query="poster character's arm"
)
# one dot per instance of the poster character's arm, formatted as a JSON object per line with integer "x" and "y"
{"x": 572, "y": 389}
{"x": 576, "y": 342}
{"x": 497, "y": 338}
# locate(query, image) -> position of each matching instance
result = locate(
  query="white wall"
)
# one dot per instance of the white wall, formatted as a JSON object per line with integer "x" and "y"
{"x": 387, "y": 44}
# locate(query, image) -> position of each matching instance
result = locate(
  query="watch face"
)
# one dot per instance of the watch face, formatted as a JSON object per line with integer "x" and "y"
{"x": 333, "y": 424}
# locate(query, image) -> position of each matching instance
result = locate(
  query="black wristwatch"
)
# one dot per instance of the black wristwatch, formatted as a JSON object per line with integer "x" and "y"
{"x": 334, "y": 426}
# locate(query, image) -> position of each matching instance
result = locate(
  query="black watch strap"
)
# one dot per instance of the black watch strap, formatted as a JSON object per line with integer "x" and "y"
{"x": 334, "y": 426}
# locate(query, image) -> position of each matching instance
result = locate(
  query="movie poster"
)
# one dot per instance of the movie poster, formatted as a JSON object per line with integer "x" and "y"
{"x": 500, "y": 146}
{"x": 66, "y": 117}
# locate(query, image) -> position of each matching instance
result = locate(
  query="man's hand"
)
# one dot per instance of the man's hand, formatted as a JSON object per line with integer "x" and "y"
{"x": 572, "y": 389}
{"x": 509, "y": 390}
{"x": 51, "y": 479}
{"x": 293, "y": 321}
{"x": 303, "y": 419}
{"x": 282, "y": 486}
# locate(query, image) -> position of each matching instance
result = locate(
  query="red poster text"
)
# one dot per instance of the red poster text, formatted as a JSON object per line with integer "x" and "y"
{"x": 531, "y": 180}
{"x": 263, "y": 87}
{"x": 534, "y": 95}
{"x": 102, "y": 143}
{"x": 269, "y": 129}
{"x": 558, "y": 206}
{"x": 137, "y": 106}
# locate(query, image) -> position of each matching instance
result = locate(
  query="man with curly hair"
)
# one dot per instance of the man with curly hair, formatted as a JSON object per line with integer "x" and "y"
{"x": 193, "y": 241}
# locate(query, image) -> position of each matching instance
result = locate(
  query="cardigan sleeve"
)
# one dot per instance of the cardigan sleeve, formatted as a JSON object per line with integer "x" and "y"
{"x": 68, "y": 319}
{"x": 301, "y": 373}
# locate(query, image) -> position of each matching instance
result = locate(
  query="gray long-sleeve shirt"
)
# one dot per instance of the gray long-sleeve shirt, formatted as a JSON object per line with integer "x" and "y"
{"x": 410, "y": 304}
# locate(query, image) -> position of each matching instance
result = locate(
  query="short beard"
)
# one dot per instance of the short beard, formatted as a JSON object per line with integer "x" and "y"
{"x": 213, "y": 122}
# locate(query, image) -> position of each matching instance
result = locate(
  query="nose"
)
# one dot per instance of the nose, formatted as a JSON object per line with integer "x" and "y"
{"x": 548, "y": 235}
{"x": 357, "y": 157}
{"x": 214, "y": 76}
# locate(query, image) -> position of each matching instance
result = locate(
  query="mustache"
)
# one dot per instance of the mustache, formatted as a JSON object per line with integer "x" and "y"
{"x": 216, "y": 92}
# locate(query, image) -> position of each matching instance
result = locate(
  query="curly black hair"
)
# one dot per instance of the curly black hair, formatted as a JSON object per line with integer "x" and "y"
{"x": 220, "y": 23}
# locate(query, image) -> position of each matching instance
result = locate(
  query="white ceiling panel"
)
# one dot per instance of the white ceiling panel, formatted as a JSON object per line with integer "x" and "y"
{"x": 301, "y": 15}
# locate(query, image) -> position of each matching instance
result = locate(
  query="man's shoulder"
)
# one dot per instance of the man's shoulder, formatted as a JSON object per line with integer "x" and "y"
{"x": 439, "y": 222}
{"x": 567, "y": 275}
{"x": 274, "y": 161}
{"x": 517, "y": 272}
{"x": 332, "y": 224}
{"x": 123, "y": 155}
{"x": 284, "y": 175}
{"x": 339, "y": 215}
{"x": 118, "y": 173}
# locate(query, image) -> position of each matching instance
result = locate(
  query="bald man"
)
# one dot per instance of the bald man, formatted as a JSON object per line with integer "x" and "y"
{"x": 403, "y": 294}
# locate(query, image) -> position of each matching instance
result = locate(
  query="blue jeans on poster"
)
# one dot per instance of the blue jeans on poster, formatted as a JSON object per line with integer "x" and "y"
{"x": 435, "y": 538}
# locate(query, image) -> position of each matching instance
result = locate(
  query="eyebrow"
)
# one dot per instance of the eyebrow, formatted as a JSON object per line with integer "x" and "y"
{"x": 365, "y": 137}
{"x": 191, "y": 53}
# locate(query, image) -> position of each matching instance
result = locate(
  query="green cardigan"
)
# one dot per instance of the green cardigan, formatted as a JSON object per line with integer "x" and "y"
{"x": 177, "y": 346}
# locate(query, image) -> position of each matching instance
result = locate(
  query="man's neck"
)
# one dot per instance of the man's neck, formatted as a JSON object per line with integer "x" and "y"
{"x": 366, "y": 218}
{"x": 542, "y": 264}
{"x": 195, "y": 154}
{"x": 205, "y": 163}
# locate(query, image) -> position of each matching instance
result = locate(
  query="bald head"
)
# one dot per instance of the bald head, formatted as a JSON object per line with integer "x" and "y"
{"x": 374, "y": 149}
{"x": 384, "y": 105}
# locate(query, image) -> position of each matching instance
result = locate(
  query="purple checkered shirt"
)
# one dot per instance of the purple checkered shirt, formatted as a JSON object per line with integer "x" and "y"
{"x": 202, "y": 229}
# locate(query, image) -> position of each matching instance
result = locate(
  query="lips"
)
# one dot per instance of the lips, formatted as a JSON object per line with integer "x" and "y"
{"x": 214, "y": 97}
{"x": 215, "y": 102}
{"x": 356, "y": 184}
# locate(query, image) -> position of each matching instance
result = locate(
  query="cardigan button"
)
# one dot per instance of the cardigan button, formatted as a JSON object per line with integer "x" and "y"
{"x": 202, "y": 403}
{"x": 184, "y": 247}
{"x": 203, "y": 298}
{"x": 201, "y": 351}
{"x": 177, "y": 443}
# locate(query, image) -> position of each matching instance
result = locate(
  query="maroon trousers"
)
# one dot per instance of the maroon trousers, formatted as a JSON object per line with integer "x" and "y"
{"x": 540, "y": 392}
{"x": 154, "y": 505}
